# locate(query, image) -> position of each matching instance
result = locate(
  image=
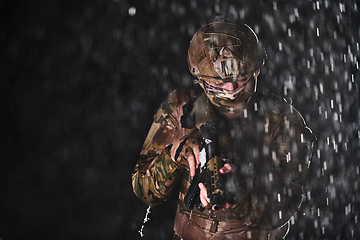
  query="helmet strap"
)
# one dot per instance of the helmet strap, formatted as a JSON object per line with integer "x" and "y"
{"x": 255, "y": 83}
{"x": 255, "y": 75}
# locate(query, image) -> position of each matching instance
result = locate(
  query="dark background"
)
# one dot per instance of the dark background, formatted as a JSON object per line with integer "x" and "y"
{"x": 81, "y": 80}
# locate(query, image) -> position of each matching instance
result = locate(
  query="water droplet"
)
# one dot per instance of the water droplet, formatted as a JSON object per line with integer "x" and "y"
{"x": 132, "y": 11}
{"x": 146, "y": 219}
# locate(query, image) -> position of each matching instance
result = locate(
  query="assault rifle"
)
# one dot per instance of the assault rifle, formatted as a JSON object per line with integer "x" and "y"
{"x": 208, "y": 173}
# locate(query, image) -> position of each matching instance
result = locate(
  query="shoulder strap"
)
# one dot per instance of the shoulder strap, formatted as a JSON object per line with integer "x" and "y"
{"x": 203, "y": 110}
{"x": 198, "y": 112}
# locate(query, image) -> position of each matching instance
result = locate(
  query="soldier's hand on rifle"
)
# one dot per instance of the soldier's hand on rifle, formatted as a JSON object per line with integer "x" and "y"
{"x": 205, "y": 201}
{"x": 185, "y": 152}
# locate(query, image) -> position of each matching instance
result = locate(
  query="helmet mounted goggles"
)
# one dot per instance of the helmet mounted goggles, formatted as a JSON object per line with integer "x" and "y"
{"x": 222, "y": 52}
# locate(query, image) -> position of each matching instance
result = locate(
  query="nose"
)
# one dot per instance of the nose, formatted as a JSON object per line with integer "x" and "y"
{"x": 230, "y": 86}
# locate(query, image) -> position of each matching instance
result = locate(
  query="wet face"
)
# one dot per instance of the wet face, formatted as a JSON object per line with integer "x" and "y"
{"x": 230, "y": 97}
{"x": 230, "y": 89}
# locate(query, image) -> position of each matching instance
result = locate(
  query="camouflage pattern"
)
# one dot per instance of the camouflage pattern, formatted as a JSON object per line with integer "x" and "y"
{"x": 223, "y": 52}
{"x": 155, "y": 173}
{"x": 277, "y": 158}
{"x": 227, "y": 105}
{"x": 212, "y": 38}
{"x": 270, "y": 148}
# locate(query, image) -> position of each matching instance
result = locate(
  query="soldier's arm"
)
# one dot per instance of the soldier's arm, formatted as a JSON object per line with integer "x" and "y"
{"x": 285, "y": 170}
{"x": 155, "y": 173}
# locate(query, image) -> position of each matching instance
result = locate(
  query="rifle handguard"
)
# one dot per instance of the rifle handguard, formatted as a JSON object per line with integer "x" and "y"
{"x": 217, "y": 187}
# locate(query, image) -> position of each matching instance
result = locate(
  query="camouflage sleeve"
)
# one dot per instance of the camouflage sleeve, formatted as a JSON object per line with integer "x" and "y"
{"x": 284, "y": 170}
{"x": 155, "y": 173}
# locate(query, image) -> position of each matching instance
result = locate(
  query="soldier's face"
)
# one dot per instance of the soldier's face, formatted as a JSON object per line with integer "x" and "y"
{"x": 230, "y": 97}
{"x": 229, "y": 90}
{"x": 230, "y": 86}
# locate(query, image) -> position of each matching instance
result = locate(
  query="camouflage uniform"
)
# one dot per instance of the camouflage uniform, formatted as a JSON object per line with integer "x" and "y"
{"x": 270, "y": 150}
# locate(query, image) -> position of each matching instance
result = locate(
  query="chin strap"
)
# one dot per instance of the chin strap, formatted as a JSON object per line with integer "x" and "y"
{"x": 255, "y": 75}
{"x": 255, "y": 78}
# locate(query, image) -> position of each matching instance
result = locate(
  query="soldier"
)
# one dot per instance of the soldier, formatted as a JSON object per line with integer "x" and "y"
{"x": 264, "y": 144}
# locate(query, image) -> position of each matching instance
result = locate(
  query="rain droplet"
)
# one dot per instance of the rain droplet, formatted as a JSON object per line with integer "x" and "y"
{"x": 132, "y": 11}
{"x": 275, "y": 6}
{"x": 292, "y": 220}
{"x": 342, "y": 7}
{"x": 146, "y": 219}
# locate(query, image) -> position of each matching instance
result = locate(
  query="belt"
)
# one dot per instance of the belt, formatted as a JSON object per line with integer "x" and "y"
{"x": 221, "y": 215}
{"x": 214, "y": 227}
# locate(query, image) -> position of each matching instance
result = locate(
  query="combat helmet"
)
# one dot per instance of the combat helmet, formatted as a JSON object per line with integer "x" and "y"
{"x": 222, "y": 52}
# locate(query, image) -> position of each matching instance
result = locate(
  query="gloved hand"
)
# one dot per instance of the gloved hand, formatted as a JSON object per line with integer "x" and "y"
{"x": 185, "y": 152}
{"x": 205, "y": 200}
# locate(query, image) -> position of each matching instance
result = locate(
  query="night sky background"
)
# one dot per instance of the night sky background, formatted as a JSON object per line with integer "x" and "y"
{"x": 81, "y": 80}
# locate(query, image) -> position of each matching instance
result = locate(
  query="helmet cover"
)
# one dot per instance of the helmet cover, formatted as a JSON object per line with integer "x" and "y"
{"x": 223, "y": 52}
{"x": 212, "y": 40}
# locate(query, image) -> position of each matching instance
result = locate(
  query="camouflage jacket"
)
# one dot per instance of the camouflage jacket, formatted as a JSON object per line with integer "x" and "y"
{"x": 270, "y": 148}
